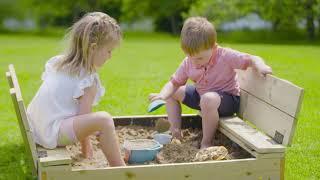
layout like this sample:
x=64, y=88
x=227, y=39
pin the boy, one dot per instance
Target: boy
x=216, y=91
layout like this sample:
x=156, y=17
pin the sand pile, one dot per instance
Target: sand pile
x=186, y=150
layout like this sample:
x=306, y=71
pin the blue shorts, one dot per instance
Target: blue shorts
x=229, y=103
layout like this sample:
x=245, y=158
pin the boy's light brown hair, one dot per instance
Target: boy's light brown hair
x=197, y=34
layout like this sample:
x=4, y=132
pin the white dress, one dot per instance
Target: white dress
x=56, y=100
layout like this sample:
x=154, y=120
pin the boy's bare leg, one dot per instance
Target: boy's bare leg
x=209, y=104
x=173, y=108
x=87, y=124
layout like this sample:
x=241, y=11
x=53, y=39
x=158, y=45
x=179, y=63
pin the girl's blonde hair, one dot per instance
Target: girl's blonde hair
x=95, y=27
x=197, y=34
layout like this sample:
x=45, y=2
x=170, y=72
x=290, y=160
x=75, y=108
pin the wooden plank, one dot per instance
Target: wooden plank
x=26, y=134
x=280, y=93
x=188, y=120
x=22, y=117
x=248, y=148
x=15, y=82
x=294, y=124
x=258, y=141
x=9, y=79
x=266, y=118
x=18, y=95
x=45, y=172
x=238, y=141
x=53, y=157
x=282, y=168
x=231, y=169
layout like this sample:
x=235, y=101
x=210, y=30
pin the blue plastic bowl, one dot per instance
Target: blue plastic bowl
x=162, y=138
x=144, y=154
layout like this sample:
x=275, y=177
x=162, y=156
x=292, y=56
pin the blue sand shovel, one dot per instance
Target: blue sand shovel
x=154, y=105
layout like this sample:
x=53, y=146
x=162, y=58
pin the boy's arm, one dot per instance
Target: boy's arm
x=168, y=90
x=240, y=60
x=258, y=64
x=178, y=79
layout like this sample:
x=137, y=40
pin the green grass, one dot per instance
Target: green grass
x=142, y=65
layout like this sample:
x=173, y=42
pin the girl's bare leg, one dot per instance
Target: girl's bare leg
x=86, y=124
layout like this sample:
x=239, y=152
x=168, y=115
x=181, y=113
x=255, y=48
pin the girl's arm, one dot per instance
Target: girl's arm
x=85, y=107
x=258, y=64
x=168, y=90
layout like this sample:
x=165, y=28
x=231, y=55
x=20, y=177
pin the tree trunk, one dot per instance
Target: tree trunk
x=319, y=26
x=173, y=25
x=310, y=19
x=275, y=25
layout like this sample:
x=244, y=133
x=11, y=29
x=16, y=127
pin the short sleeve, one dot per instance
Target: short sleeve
x=179, y=78
x=49, y=67
x=86, y=82
x=237, y=59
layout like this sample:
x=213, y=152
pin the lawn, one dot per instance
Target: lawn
x=141, y=65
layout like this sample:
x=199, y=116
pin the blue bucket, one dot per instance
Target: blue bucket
x=139, y=151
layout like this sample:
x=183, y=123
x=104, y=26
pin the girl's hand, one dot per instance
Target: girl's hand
x=155, y=96
x=86, y=148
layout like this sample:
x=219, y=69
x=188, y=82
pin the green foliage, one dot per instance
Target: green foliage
x=284, y=14
x=279, y=12
x=12, y=8
x=56, y=12
x=167, y=14
x=219, y=10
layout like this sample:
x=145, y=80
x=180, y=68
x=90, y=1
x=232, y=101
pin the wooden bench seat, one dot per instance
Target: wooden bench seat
x=269, y=108
x=253, y=138
x=52, y=157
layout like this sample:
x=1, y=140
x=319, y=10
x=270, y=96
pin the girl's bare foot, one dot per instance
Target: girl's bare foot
x=86, y=150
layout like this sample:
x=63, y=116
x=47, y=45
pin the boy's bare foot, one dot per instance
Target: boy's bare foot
x=205, y=145
x=176, y=133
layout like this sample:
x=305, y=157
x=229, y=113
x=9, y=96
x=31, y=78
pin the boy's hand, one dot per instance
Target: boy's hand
x=264, y=69
x=260, y=66
x=155, y=96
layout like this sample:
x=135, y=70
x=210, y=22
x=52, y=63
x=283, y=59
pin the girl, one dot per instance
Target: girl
x=61, y=111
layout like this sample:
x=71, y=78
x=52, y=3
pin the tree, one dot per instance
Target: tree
x=12, y=8
x=284, y=14
x=316, y=9
x=167, y=14
x=310, y=17
x=219, y=10
x=55, y=13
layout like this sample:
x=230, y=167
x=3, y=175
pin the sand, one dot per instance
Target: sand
x=176, y=152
